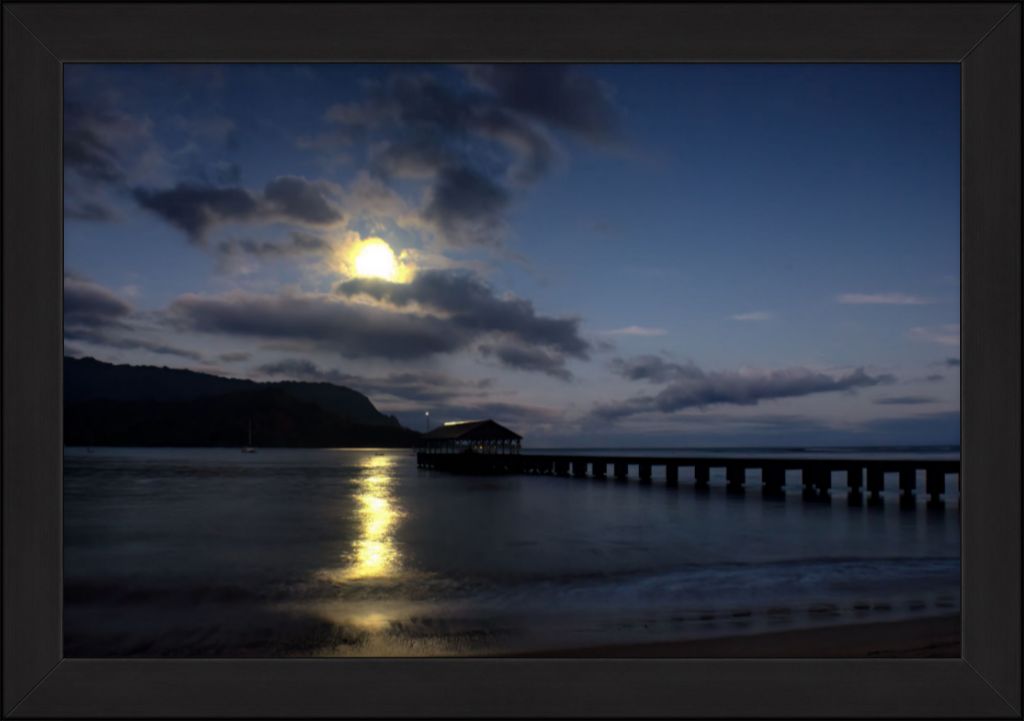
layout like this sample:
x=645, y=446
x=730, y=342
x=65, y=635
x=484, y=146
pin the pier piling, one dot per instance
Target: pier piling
x=702, y=475
x=671, y=474
x=908, y=487
x=862, y=475
x=736, y=476
x=773, y=479
x=935, y=486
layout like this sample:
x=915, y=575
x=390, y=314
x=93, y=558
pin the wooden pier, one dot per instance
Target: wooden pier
x=864, y=479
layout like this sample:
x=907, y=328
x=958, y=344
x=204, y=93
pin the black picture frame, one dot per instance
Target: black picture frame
x=983, y=38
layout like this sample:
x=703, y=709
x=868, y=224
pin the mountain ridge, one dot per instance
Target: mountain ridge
x=108, y=404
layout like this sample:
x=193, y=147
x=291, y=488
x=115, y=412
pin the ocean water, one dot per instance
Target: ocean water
x=287, y=552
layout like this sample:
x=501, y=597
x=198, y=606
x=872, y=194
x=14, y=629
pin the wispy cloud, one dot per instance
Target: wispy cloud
x=756, y=315
x=689, y=386
x=881, y=299
x=637, y=330
x=942, y=334
x=904, y=401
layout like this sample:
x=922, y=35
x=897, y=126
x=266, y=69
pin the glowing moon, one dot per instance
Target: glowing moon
x=375, y=259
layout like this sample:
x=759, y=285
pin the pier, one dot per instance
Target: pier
x=819, y=478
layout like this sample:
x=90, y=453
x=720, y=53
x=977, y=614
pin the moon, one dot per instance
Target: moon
x=376, y=259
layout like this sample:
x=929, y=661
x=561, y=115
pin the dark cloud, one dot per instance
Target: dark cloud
x=103, y=144
x=95, y=314
x=195, y=208
x=90, y=305
x=473, y=306
x=556, y=94
x=654, y=369
x=472, y=147
x=438, y=312
x=532, y=150
x=691, y=387
x=129, y=342
x=466, y=207
x=934, y=377
x=529, y=358
x=298, y=199
x=904, y=401
x=952, y=362
x=234, y=357
x=318, y=321
x=87, y=150
x=233, y=253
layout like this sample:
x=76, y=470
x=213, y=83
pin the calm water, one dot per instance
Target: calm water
x=211, y=552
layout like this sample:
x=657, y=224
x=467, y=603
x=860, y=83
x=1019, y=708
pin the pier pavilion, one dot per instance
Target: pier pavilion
x=475, y=437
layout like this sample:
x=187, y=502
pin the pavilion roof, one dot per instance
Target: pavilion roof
x=485, y=430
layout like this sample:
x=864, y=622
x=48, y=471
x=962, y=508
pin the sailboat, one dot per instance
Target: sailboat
x=250, y=448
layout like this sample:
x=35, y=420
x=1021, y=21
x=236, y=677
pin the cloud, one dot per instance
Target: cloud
x=529, y=358
x=418, y=386
x=881, y=299
x=234, y=357
x=196, y=208
x=103, y=145
x=318, y=321
x=934, y=378
x=943, y=335
x=637, y=330
x=129, y=342
x=753, y=316
x=953, y=362
x=653, y=369
x=234, y=253
x=91, y=305
x=471, y=305
x=91, y=210
x=557, y=94
x=904, y=401
x=466, y=207
x=438, y=312
x=691, y=387
x=470, y=146
x=295, y=198
x=95, y=314
x=94, y=136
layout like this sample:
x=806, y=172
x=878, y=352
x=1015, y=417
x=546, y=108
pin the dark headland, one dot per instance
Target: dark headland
x=124, y=405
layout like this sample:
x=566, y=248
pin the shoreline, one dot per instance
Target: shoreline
x=934, y=637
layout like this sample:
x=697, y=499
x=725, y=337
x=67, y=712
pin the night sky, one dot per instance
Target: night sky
x=629, y=255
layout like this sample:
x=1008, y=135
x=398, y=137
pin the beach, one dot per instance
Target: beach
x=937, y=637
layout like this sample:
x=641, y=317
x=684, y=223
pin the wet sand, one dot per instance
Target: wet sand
x=937, y=637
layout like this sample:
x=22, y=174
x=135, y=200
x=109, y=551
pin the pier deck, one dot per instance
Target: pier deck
x=862, y=477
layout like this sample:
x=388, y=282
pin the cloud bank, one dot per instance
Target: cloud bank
x=689, y=386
